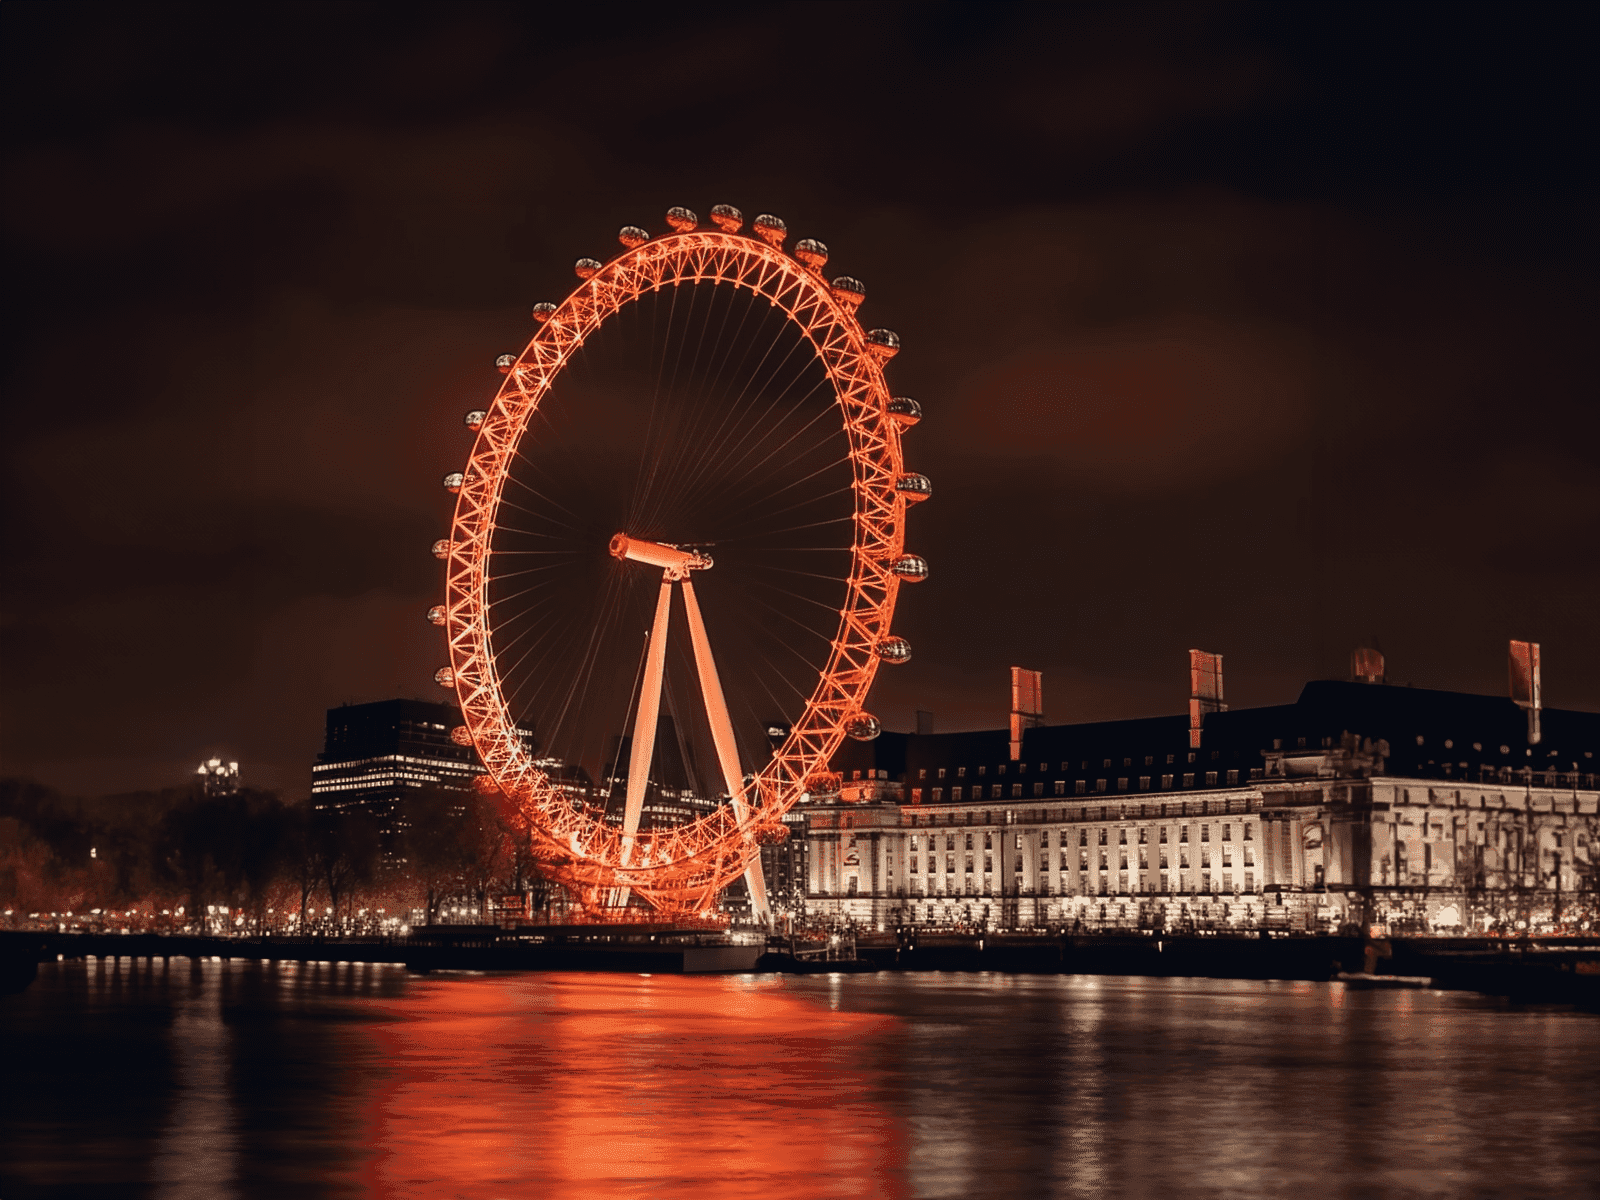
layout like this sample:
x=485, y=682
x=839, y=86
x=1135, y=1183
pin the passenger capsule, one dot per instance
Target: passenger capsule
x=903, y=411
x=912, y=568
x=824, y=783
x=461, y=735
x=543, y=311
x=682, y=219
x=772, y=833
x=863, y=727
x=812, y=252
x=915, y=488
x=770, y=229
x=442, y=548
x=436, y=615
x=883, y=343
x=485, y=785
x=453, y=481
x=631, y=236
x=475, y=419
x=505, y=363
x=727, y=218
x=445, y=677
x=849, y=291
x=587, y=268
x=893, y=650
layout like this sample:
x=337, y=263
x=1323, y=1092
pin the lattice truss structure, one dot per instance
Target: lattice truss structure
x=681, y=870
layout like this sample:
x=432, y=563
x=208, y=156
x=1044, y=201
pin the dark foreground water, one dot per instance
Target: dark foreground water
x=203, y=1079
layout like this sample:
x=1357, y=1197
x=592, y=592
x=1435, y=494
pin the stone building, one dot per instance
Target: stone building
x=1360, y=805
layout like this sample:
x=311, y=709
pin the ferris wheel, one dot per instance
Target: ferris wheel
x=702, y=426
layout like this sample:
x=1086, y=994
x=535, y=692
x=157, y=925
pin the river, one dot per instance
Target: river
x=207, y=1079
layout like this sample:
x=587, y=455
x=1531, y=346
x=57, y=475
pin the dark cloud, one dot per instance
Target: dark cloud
x=1263, y=328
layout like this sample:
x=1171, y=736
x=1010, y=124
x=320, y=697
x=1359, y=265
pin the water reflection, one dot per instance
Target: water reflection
x=582, y=1085
x=243, y=1079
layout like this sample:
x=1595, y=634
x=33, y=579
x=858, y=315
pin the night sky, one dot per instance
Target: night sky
x=1265, y=329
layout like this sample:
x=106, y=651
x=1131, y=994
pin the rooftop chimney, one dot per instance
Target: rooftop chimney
x=1525, y=684
x=1027, y=705
x=1205, y=691
x=1366, y=665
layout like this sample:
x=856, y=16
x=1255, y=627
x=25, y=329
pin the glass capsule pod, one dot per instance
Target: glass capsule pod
x=436, y=615
x=884, y=343
x=587, y=268
x=863, y=727
x=914, y=487
x=903, y=411
x=543, y=311
x=631, y=236
x=682, y=219
x=812, y=252
x=770, y=229
x=475, y=419
x=442, y=548
x=445, y=677
x=727, y=218
x=893, y=650
x=453, y=481
x=912, y=568
x=849, y=291
x=461, y=735
x=505, y=362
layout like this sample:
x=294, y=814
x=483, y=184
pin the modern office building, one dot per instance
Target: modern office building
x=374, y=753
x=1361, y=804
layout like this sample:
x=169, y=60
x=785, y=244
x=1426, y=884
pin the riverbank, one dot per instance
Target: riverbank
x=1547, y=970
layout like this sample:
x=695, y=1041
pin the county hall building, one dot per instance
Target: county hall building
x=1360, y=805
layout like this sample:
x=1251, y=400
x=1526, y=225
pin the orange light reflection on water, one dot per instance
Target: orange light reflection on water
x=605, y=1085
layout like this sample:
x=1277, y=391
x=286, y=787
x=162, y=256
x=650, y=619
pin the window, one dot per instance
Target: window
x=1169, y=760
x=950, y=864
x=955, y=793
x=994, y=791
x=1122, y=783
x=1227, y=856
x=988, y=841
x=1144, y=783
x=1061, y=787
x=1127, y=762
x=1205, y=858
x=1016, y=791
x=961, y=772
x=1122, y=836
x=1144, y=858
x=983, y=770
x=1163, y=860
x=1044, y=864
x=1104, y=834
x=1001, y=769
x=916, y=795
x=1122, y=856
x=1064, y=864
x=1163, y=838
x=941, y=772
x=1227, y=833
x=969, y=841
x=1019, y=842
x=1211, y=779
x=1166, y=781
x=913, y=864
x=1183, y=833
x=988, y=863
x=1099, y=785
x=949, y=841
x=938, y=795
x=922, y=773
x=1083, y=837
x=1233, y=777
x=1249, y=881
x=1103, y=857
x=1188, y=779
x=1249, y=857
x=1038, y=789
x=1205, y=833
x=1248, y=827
x=1083, y=786
x=1148, y=760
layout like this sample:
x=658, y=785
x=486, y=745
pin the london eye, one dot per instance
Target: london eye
x=675, y=555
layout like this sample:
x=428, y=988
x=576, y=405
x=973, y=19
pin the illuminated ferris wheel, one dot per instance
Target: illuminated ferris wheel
x=701, y=426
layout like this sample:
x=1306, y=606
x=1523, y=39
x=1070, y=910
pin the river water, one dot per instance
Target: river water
x=207, y=1080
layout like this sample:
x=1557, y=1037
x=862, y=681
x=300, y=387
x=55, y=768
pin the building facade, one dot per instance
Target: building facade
x=374, y=753
x=1359, y=806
